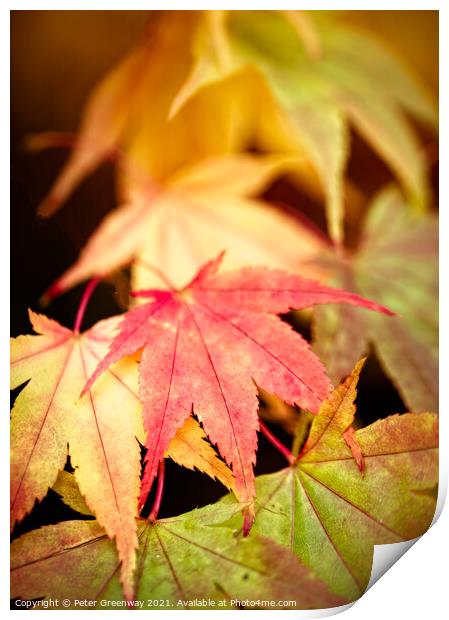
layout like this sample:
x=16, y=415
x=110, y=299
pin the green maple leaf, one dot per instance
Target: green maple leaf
x=183, y=558
x=396, y=263
x=329, y=513
x=323, y=509
x=321, y=74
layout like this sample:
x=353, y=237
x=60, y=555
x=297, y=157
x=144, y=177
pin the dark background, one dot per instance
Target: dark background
x=57, y=57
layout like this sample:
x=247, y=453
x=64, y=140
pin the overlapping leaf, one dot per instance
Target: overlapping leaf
x=318, y=92
x=181, y=559
x=201, y=208
x=67, y=489
x=190, y=448
x=314, y=98
x=100, y=429
x=126, y=114
x=205, y=345
x=329, y=513
x=182, y=194
x=275, y=410
x=322, y=509
x=397, y=264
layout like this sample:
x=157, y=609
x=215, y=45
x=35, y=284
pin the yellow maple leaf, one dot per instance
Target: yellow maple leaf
x=99, y=430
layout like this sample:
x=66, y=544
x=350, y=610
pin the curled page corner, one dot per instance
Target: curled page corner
x=387, y=555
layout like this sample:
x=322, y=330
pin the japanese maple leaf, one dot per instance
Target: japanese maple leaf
x=100, y=429
x=184, y=190
x=180, y=559
x=397, y=264
x=206, y=345
x=188, y=448
x=177, y=225
x=191, y=449
x=124, y=116
x=276, y=411
x=311, y=76
x=67, y=489
x=318, y=74
x=329, y=513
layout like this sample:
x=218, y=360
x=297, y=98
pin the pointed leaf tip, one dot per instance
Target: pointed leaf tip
x=359, y=367
x=50, y=294
x=207, y=270
x=49, y=206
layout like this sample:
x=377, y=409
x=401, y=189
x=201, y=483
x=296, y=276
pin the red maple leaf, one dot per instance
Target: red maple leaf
x=207, y=346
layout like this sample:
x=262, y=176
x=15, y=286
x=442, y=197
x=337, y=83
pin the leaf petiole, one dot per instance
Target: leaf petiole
x=159, y=492
x=276, y=443
x=91, y=285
